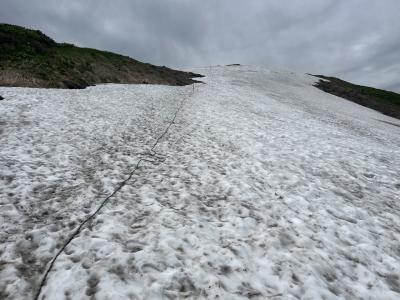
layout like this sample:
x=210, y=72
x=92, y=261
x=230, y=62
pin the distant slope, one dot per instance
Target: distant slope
x=29, y=58
x=383, y=101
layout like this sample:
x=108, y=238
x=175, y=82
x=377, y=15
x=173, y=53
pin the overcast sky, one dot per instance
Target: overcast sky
x=357, y=40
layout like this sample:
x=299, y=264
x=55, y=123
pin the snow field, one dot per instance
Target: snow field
x=268, y=188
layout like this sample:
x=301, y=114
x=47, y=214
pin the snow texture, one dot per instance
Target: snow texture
x=263, y=187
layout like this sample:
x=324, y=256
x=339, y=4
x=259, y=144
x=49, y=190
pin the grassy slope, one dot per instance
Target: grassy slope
x=30, y=58
x=383, y=101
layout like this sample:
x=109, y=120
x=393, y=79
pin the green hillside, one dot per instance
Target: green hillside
x=30, y=58
x=386, y=102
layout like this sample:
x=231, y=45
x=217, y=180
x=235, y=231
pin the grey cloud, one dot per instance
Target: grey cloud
x=358, y=40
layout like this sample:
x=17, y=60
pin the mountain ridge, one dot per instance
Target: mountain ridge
x=386, y=102
x=29, y=58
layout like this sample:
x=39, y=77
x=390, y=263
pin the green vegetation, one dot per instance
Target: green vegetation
x=30, y=58
x=386, y=102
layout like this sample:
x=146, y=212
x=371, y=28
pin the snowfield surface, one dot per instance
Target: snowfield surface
x=258, y=186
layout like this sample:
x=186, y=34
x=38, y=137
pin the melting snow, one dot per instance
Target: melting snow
x=263, y=187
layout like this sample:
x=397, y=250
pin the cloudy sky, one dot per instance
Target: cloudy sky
x=357, y=40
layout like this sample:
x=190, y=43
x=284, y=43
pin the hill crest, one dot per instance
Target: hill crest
x=29, y=58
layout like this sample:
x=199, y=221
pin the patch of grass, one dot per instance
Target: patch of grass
x=386, y=102
x=36, y=56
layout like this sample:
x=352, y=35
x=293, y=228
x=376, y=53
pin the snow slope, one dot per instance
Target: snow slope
x=262, y=187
